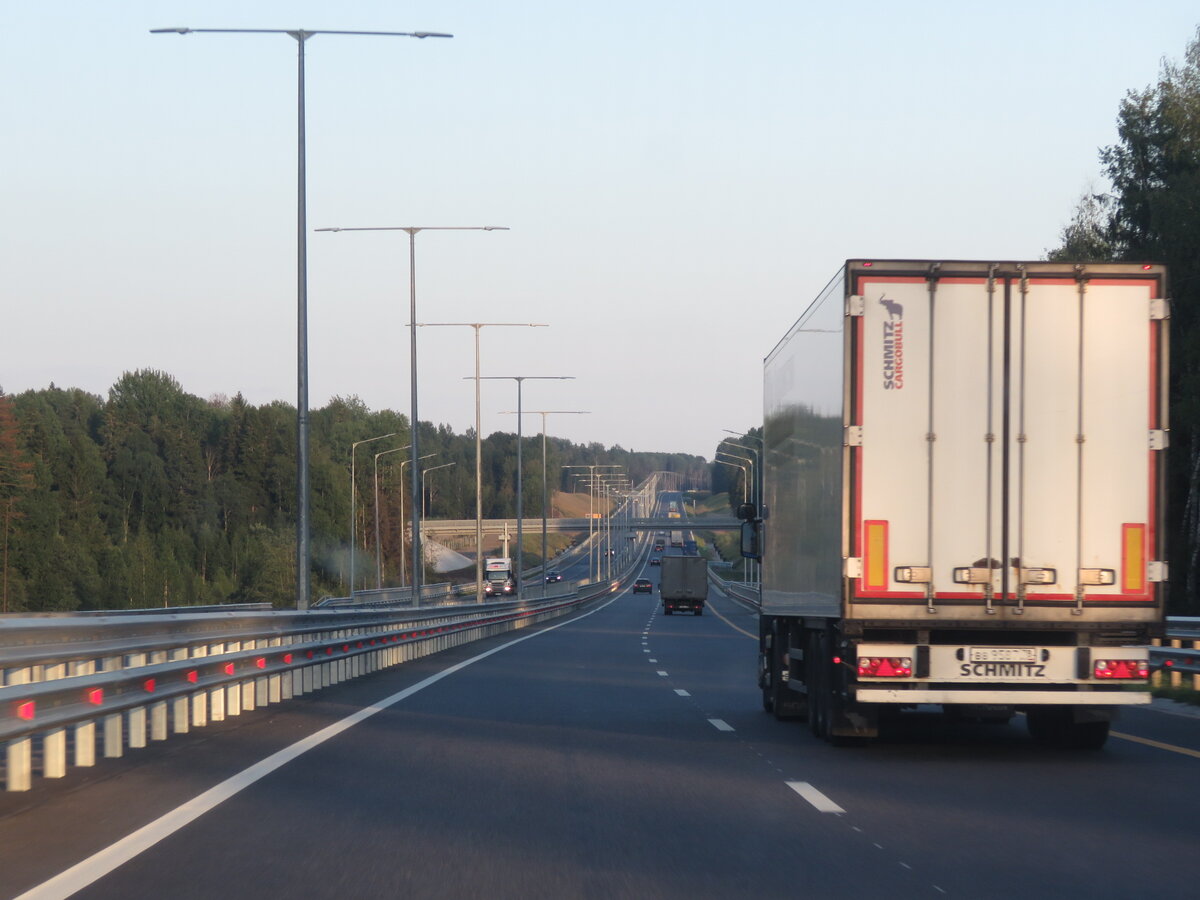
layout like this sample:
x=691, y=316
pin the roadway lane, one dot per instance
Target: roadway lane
x=625, y=754
x=562, y=766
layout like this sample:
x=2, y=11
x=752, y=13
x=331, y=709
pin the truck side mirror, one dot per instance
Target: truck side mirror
x=746, y=511
x=752, y=539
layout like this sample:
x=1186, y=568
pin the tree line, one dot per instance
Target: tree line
x=1151, y=213
x=155, y=497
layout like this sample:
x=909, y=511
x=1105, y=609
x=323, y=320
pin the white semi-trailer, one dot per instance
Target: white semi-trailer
x=963, y=505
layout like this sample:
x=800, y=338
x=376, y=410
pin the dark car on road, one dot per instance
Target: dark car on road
x=655, y=561
x=643, y=586
x=553, y=577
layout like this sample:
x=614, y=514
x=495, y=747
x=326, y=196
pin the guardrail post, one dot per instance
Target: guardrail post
x=114, y=743
x=137, y=715
x=1176, y=677
x=19, y=764
x=85, y=732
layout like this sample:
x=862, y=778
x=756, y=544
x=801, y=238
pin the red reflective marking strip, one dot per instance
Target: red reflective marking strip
x=149, y=684
x=193, y=676
x=228, y=668
x=261, y=662
x=96, y=696
x=26, y=710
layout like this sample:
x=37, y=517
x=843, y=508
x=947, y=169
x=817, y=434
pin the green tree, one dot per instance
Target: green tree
x=1153, y=213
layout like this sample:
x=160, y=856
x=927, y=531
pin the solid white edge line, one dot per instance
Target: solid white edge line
x=815, y=797
x=101, y=863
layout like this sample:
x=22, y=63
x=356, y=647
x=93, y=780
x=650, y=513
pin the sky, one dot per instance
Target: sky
x=680, y=179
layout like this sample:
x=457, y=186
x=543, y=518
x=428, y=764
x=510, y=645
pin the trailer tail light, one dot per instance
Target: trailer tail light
x=1121, y=669
x=885, y=666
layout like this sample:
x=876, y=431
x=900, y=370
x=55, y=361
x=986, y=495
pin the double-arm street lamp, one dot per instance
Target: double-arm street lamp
x=300, y=35
x=478, y=326
x=520, y=380
x=411, y=231
x=545, y=509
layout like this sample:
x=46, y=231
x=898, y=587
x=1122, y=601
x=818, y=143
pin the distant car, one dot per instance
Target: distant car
x=643, y=586
x=655, y=561
x=658, y=548
x=553, y=577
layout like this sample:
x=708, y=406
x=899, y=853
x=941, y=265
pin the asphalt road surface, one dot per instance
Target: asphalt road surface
x=617, y=753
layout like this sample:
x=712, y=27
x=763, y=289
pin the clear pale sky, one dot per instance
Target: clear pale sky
x=680, y=178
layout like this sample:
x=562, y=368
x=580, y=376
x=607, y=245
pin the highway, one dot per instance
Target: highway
x=617, y=753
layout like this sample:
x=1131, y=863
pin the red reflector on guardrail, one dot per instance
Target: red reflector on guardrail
x=149, y=684
x=228, y=668
x=96, y=696
x=329, y=651
x=261, y=662
x=26, y=710
x=345, y=648
x=193, y=676
x=287, y=658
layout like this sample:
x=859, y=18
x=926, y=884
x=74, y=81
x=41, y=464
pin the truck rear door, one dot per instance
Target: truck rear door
x=1006, y=428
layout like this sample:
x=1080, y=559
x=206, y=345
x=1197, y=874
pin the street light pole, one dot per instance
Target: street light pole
x=378, y=552
x=411, y=231
x=403, y=561
x=591, y=488
x=545, y=509
x=520, y=380
x=303, y=502
x=478, y=438
x=354, y=501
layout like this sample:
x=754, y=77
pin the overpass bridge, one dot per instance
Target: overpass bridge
x=467, y=526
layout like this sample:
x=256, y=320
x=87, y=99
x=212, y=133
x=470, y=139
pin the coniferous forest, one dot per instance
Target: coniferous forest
x=155, y=497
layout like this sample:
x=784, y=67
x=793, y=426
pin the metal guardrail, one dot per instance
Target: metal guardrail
x=114, y=682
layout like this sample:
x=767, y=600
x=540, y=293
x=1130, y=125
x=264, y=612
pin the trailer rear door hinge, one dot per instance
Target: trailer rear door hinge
x=1156, y=570
x=1160, y=308
x=856, y=305
x=854, y=567
x=1159, y=440
x=853, y=436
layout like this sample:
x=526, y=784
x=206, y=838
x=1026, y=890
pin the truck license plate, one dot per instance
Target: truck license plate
x=1004, y=654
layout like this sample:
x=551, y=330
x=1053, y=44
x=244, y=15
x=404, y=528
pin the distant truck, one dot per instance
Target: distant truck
x=677, y=539
x=964, y=496
x=684, y=584
x=498, y=577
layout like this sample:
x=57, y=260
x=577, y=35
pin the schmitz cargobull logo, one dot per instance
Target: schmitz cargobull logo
x=893, y=345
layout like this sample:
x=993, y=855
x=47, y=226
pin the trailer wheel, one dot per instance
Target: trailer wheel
x=667, y=610
x=699, y=611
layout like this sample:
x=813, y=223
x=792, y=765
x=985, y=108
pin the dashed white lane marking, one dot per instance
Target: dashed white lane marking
x=815, y=797
x=660, y=672
x=645, y=651
x=682, y=693
x=720, y=725
x=652, y=660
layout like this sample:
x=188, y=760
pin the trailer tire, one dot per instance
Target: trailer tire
x=667, y=610
x=699, y=611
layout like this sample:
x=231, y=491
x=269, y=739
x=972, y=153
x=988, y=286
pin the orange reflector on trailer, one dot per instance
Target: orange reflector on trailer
x=875, y=547
x=1133, y=559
